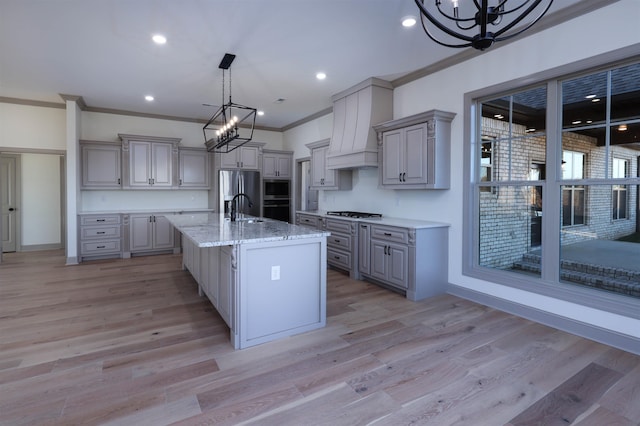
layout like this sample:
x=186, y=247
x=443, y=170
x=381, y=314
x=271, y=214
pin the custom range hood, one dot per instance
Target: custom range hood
x=355, y=110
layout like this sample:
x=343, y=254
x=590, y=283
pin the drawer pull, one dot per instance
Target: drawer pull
x=101, y=247
x=101, y=232
x=336, y=257
x=336, y=240
x=388, y=234
x=101, y=220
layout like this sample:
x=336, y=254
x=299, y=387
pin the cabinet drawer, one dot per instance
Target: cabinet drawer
x=100, y=219
x=388, y=233
x=340, y=241
x=99, y=247
x=93, y=232
x=339, y=259
x=309, y=221
x=343, y=226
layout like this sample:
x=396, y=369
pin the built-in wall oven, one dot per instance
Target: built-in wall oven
x=276, y=201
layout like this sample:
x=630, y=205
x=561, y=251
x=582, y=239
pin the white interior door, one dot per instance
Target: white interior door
x=8, y=202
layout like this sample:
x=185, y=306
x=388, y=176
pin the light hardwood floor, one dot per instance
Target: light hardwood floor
x=130, y=342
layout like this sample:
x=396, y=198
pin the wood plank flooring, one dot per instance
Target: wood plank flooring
x=130, y=342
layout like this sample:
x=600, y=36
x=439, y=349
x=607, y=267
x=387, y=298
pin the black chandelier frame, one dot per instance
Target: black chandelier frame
x=484, y=16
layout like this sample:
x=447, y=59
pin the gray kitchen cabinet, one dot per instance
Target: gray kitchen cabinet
x=100, y=236
x=194, y=165
x=310, y=221
x=149, y=162
x=412, y=261
x=276, y=164
x=414, y=152
x=100, y=165
x=244, y=157
x=364, y=248
x=321, y=177
x=149, y=232
x=227, y=285
x=342, y=247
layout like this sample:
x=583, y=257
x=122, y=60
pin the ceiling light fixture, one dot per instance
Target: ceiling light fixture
x=260, y=113
x=408, y=21
x=321, y=76
x=502, y=15
x=149, y=98
x=231, y=122
x=159, y=39
x=622, y=128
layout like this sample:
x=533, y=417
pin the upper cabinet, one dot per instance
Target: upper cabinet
x=321, y=177
x=100, y=165
x=415, y=152
x=149, y=162
x=276, y=164
x=246, y=157
x=194, y=168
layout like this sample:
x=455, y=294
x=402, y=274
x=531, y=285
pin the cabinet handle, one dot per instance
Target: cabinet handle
x=180, y=182
x=388, y=234
x=363, y=226
x=404, y=177
x=336, y=240
x=100, y=232
x=100, y=220
x=118, y=181
x=336, y=257
x=101, y=246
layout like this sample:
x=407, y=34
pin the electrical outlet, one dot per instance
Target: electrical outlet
x=275, y=273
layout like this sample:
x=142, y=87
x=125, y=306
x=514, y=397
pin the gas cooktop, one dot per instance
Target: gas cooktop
x=354, y=214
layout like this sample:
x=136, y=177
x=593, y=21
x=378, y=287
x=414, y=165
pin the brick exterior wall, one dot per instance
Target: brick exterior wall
x=506, y=213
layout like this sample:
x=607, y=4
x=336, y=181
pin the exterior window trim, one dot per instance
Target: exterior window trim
x=547, y=284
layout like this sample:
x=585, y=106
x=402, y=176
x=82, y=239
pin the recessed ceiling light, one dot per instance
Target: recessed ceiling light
x=590, y=96
x=321, y=76
x=622, y=128
x=149, y=98
x=576, y=122
x=408, y=21
x=589, y=121
x=499, y=116
x=159, y=39
x=260, y=112
x=595, y=100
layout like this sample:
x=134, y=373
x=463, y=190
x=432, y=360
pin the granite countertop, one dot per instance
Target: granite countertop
x=390, y=221
x=147, y=211
x=214, y=229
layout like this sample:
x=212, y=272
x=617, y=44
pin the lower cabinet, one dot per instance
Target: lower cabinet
x=100, y=236
x=214, y=270
x=342, y=248
x=149, y=232
x=411, y=260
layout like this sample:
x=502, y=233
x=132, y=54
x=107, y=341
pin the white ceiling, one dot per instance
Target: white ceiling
x=102, y=50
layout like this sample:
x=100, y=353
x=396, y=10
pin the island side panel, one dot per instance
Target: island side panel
x=282, y=289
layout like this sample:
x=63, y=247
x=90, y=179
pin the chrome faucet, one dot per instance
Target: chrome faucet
x=233, y=204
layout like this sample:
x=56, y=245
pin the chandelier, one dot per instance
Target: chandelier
x=231, y=122
x=473, y=18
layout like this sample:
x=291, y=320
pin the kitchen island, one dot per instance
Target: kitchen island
x=266, y=278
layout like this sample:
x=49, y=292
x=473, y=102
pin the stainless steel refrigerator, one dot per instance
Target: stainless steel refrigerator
x=233, y=182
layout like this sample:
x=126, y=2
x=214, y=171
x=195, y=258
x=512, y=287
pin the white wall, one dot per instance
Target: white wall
x=24, y=126
x=572, y=41
x=40, y=178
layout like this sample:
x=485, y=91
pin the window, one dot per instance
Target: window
x=572, y=139
x=619, y=201
x=572, y=195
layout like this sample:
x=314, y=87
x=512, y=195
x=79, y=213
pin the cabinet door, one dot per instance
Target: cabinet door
x=364, y=249
x=393, y=157
x=213, y=286
x=227, y=283
x=379, y=259
x=101, y=166
x=249, y=157
x=415, y=155
x=194, y=169
x=229, y=160
x=140, y=164
x=162, y=233
x=161, y=165
x=270, y=165
x=284, y=166
x=140, y=233
x=398, y=265
x=318, y=164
